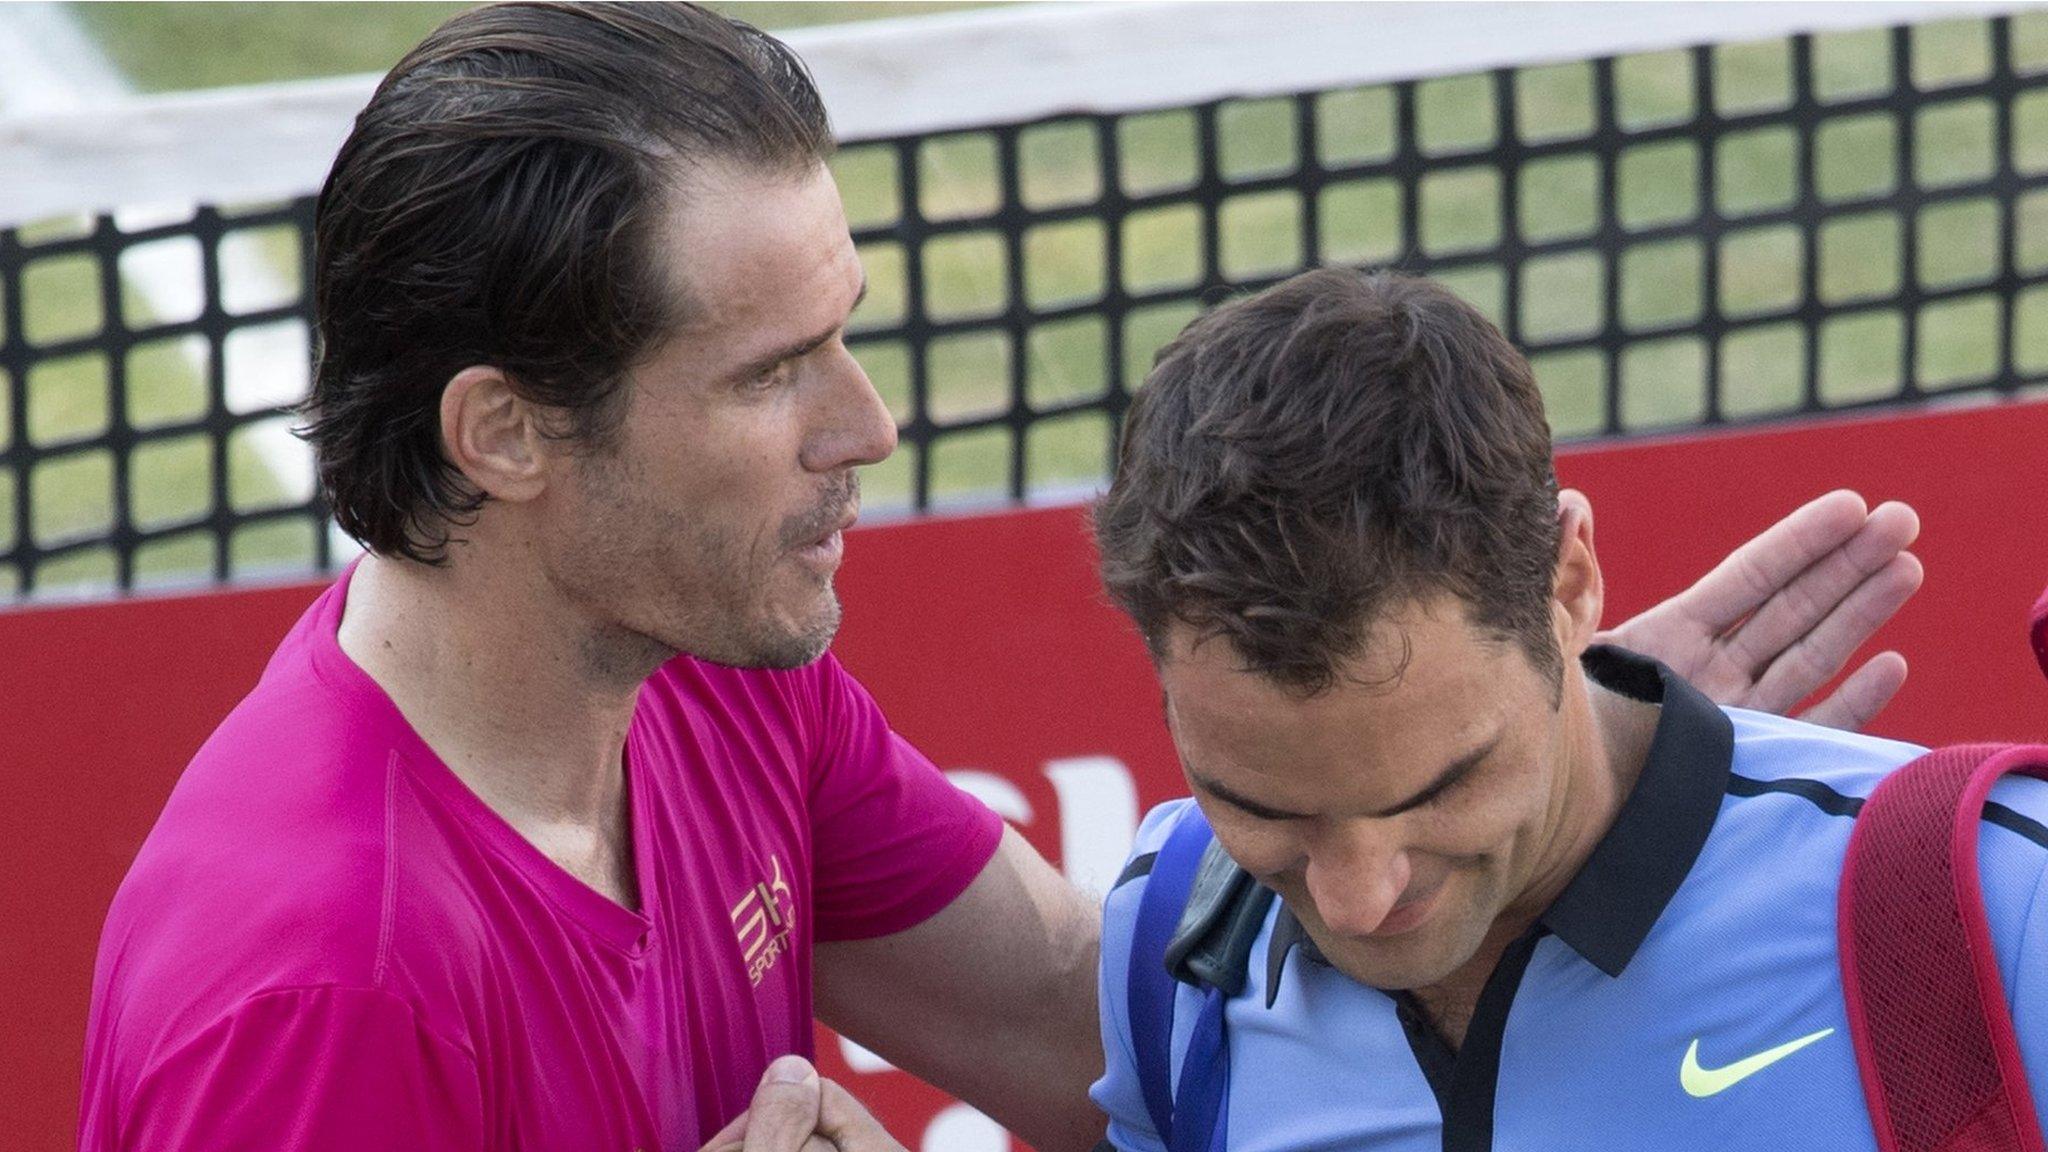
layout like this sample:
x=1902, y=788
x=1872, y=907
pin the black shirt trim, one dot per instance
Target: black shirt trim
x=1608, y=909
x=1468, y=1120
x=1439, y=1063
x=1139, y=866
x=1287, y=935
x=1835, y=803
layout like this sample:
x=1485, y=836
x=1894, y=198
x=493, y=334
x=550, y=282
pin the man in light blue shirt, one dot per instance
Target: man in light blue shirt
x=1478, y=883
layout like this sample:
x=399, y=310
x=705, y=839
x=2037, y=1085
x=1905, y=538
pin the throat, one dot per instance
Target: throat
x=602, y=858
x=1446, y=1007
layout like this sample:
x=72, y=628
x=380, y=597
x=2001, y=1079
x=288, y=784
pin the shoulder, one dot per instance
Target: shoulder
x=1153, y=831
x=1120, y=908
x=297, y=850
x=1774, y=750
x=1834, y=772
x=1120, y=913
x=278, y=827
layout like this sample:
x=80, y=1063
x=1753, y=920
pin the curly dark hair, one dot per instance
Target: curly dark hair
x=1302, y=461
x=498, y=203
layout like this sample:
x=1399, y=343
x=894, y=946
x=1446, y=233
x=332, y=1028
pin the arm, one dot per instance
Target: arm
x=1006, y=1020
x=1782, y=614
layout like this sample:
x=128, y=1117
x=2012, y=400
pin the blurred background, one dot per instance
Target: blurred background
x=1732, y=232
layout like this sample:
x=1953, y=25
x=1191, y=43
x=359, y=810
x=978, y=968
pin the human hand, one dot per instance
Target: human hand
x=848, y=1125
x=794, y=1110
x=1782, y=614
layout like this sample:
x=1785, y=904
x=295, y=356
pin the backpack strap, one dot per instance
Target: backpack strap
x=1934, y=1039
x=2037, y=631
x=1151, y=989
x=1196, y=920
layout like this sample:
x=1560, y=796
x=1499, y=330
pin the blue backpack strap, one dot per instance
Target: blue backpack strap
x=1151, y=988
x=1202, y=1102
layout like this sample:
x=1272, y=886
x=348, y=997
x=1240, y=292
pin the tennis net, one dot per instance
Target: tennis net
x=1689, y=216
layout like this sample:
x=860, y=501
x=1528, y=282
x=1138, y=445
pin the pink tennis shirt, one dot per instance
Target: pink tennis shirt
x=328, y=941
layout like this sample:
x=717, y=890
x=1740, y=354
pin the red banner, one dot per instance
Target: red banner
x=992, y=647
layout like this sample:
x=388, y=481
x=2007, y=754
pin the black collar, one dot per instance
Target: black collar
x=1608, y=909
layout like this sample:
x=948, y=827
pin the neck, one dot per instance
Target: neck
x=1603, y=741
x=524, y=697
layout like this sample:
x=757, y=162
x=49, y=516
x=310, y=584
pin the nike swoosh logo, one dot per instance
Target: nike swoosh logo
x=1704, y=1082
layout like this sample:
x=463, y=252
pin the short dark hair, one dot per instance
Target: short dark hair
x=498, y=203
x=1302, y=460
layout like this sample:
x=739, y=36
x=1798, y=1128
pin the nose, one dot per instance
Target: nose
x=855, y=427
x=1356, y=876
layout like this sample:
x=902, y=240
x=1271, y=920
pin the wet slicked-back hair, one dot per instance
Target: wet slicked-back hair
x=499, y=203
x=1302, y=462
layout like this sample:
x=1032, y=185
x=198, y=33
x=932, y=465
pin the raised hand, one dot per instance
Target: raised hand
x=1782, y=614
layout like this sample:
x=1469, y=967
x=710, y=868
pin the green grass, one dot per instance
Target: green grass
x=1459, y=209
x=166, y=47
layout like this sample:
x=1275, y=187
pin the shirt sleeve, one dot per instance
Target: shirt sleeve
x=893, y=841
x=1119, y=1093
x=309, y=1070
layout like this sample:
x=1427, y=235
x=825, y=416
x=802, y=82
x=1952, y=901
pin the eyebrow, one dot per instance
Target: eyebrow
x=1456, y=771
x=805, y=347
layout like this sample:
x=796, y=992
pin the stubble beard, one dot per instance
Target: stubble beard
x=785, y=649
x=1439, y=951
x=700, y=591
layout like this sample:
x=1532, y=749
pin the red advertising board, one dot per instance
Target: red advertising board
x=990, y=644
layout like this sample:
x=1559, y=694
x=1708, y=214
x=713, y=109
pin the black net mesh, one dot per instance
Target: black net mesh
x=1724, y=234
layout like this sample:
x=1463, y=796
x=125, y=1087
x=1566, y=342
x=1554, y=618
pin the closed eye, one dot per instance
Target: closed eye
x=1465, y=767
x=1246, y=804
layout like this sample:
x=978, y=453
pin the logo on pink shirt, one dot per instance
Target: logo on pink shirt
x=761, y=921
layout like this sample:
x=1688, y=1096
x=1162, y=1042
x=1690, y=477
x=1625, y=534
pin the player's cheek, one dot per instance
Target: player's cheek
x=1470, y=827
x=1266, y=849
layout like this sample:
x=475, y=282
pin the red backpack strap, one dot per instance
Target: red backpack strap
x=2037, y=631
x=1927, y=1009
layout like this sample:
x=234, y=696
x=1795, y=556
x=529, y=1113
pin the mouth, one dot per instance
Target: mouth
x=824, y=551
x=1407, y=916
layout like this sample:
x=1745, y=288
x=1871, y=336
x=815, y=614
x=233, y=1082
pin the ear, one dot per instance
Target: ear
x=493, y=435
x=1577, y=593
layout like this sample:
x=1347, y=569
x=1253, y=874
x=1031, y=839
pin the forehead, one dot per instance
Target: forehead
x=758, y=256
x=1424, y=688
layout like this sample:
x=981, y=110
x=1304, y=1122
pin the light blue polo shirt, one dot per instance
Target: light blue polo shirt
x=1705, y=915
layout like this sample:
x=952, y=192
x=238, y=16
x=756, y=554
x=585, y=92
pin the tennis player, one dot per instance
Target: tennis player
x=553, y=822
x=1532, y=891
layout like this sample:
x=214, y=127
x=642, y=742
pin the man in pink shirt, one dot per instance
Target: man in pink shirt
x=551, y=824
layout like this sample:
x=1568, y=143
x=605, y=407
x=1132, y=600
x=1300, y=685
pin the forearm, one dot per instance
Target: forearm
x=1031, y=1074
x=992, y=1000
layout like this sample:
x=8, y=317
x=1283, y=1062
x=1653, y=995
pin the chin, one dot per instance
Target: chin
x=1419, y=959
x=1391, y=970
x=794, y=640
